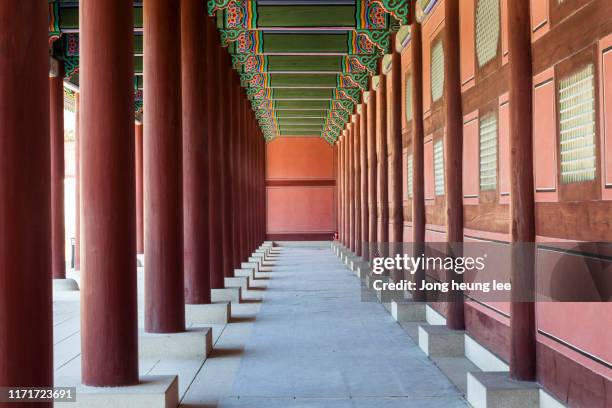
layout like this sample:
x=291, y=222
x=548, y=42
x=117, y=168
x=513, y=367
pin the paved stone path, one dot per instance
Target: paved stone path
x=315, y=343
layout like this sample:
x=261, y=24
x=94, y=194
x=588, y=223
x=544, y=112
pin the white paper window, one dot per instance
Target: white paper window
x=408, y=97
x=487, y=30
x=410, y=174
x=577, y=126
x=437, y=70
x=488, y=153
x=439, y=167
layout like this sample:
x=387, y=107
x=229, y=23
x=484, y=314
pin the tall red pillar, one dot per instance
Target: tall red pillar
x=357, y=182
x=394, y=146
x=523, y=364
x=108, y=189
x=351, y=203
x=382, y=158
x=453, y=153
x=250, y=173
x=235, y=162
x=243, y=178
x=227, y=136
x=372, y=173
x=77, y=181
x=213, y=96
x=163, y=169
x=195, y=153
x=418, y=157
x=26, y=339
x=56, y=115
x=365, y=210
x=139, y=189
x=346, y=203
x=340, y=190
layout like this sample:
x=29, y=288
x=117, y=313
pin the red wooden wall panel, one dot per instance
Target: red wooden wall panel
x=300, y=209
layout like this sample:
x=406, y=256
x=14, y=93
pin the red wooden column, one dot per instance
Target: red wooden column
x=227, y=134
x=235, y=181
x=195, y=152
x=418, y=158
x=56, y=114
x=522, y=314
x=252, y=183
x=394, y=145
x=363, y=157
x=243, y=178
x=108, y=190
x=26, y=337
x=77, y=181
x=357, y=182
x=453, y=145
x=215, y=211
x=351, y=192
x=249, y=186
x=347, y=211
x=382, y=158
x=139, y=189
x=341, y=189
x=372, y=174
x=163, y=169
x=261, y=188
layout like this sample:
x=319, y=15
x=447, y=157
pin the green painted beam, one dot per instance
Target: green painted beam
x=306, y=16
x=285, y=93
x=300, y=133
x=301, y=80
x=138, y=64
x=69, y=18
x=300, y=129
x=138, y=44
x=303, y=43
x=304, y=63
x=302, y=105
x=300, y=121
x=301, y=113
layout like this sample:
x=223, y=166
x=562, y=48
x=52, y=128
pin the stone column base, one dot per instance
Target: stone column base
x=252, y=265
x=233, y=295
x=497, y=389
x=440, y=341
x=408, y=311
x=192, y=343
x=249, y=273
x=237, y=281
x=213, y=313
x=153, y=391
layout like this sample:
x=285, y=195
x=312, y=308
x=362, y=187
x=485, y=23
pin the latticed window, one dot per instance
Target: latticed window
x=487, y=30
x=439, y=167
x=408, y=97
x=437, y=70
x=577, y=126
x=410, y=175
x=488, y=153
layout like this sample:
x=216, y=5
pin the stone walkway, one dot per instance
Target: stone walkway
x=313, y=342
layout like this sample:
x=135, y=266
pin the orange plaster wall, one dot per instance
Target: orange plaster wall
x=299, y=158
x=300, y=188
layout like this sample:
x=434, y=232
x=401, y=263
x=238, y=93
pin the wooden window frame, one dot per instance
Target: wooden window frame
x=489, y=196
x=490, y=67
x=584, y=190
x=438, y=104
